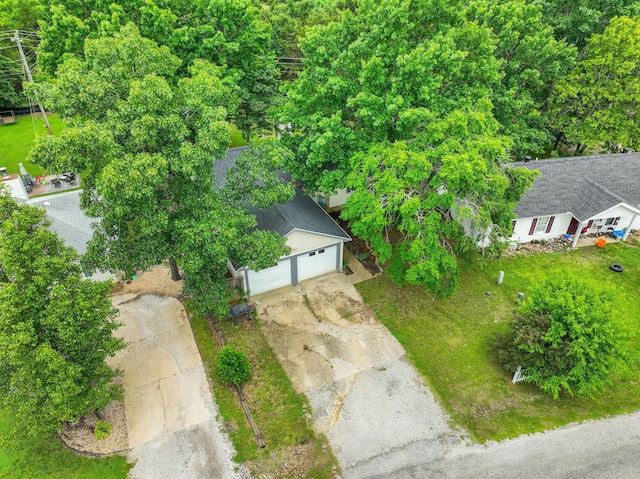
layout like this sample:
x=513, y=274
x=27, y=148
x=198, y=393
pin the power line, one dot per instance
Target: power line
x=27, y=70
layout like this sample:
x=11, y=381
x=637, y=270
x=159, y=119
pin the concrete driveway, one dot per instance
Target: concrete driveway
x=364, y=395
x=171, y=414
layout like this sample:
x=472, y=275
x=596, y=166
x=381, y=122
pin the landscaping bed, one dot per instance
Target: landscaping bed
x=359, y=248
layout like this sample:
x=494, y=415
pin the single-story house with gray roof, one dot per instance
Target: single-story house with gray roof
x=315, y=239
x=67, y=218
x=579, y=195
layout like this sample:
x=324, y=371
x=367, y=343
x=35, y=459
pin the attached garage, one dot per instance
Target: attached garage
x=257, y=282
x=317, y=262
x=293, y=269
x=315, y=240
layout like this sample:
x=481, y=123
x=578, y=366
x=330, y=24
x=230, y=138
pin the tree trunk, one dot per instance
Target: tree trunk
x=558, y=139
x=577, y=152
x=175, y=272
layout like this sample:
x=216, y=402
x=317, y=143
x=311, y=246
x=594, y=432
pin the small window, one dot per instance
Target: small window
x=541, y=225
x=320, y=251
x=313, y=253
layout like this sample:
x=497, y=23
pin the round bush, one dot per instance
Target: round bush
x=233, y=366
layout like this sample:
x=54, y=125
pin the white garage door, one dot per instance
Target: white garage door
x=318, y=262
x=270, y=278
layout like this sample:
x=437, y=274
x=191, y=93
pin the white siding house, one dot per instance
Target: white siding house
x=580, y=195
x=315, y=239
x=333, y=202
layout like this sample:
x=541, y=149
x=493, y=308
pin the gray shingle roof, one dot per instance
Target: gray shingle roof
x=300, y=213
x=581, y=185
x=67, y=219
x=221, y=166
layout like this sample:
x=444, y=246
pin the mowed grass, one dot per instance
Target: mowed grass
x=47, y=458
x=17, y=139
x=279, y=412
x=450, y=340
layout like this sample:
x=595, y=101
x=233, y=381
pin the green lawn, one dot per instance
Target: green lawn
x=449, y=340
x=16, y=139
x=46, y=458
x=277, y=409
x=236, y=138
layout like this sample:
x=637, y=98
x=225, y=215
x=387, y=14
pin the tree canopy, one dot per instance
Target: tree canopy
x=227, y=33
x=395, y=102
x=55, y=327
x=146, y=143
x=566, y=336
x=575, y=21
x=531, y=60
x=596, y=104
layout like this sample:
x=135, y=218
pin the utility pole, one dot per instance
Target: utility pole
x=25, y=65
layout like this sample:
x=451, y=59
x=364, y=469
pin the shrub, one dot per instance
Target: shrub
x=565, y=336
x=102, y=429
x=233, y=366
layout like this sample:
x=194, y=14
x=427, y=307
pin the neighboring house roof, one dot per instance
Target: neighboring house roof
x=16, y=188
x=581, y=185
x=67, y=219
x=221, y=166
x=301, y=213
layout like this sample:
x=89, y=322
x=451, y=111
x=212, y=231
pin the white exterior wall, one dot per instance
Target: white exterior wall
x=622, y=212
x=333, y=201
x=304, y=241
x=561, y=224
x=16, y=189
x=291, y=268
x=523, y=225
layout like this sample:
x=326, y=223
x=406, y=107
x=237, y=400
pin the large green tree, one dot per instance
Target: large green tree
x=146, y=145
x=228, y=33
x=532, y=61
x=291, y=18
x=395, y=103
x=55, y=327
x=566, y=337
x=596, y=104
x=575, y=21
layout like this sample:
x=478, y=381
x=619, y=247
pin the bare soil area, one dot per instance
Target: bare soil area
x=156, y=280
x=81, y=438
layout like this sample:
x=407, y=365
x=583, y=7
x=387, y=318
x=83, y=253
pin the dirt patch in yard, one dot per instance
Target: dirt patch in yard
x=335, y=305
x=295, y=462
x=156, y=280
x=80, y=436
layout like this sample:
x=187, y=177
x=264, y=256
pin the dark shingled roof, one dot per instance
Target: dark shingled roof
x=581, y=185
x=300, y=213
x=221, y=166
